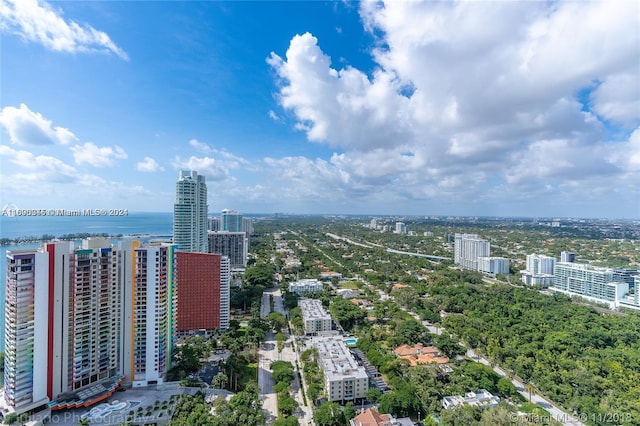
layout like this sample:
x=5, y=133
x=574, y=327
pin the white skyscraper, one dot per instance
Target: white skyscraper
x=540, y=264
x=468, y=248
x=539, y=270
x=190, y=213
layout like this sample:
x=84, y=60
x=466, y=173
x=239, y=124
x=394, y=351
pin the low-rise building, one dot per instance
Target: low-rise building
x=344, y=379
x=419, y=354
x=480, y=398
x=307, y=285
x=315, y=318
x=347, y=293
x=327, y=275
x=371, y=417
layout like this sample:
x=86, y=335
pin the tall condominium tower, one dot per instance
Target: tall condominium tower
x=230, y=220
x=540, y=264
x=154, y=316
x=234, y=245
x=468, y=248
x=203, y=300
x=190, y=213
x=539, y=270
x=81, y=320
x=247, y=226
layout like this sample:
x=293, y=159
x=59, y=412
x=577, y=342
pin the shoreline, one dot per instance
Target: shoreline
x=5, y=242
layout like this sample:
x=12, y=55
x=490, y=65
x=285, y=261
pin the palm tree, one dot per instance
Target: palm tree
x=220, y=381
x=529, y=389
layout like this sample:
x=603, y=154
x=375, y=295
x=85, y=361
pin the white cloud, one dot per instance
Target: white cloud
x=93, y=155
x=200, y=146
x=618, y=98
x=37, y=21
x=273, y=115
x=213, y=169
x=471, y=99
x=148, y=165
x=45, y=167
x=26, y=127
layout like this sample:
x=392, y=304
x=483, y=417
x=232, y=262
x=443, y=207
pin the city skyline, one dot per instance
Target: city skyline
x=400, y=108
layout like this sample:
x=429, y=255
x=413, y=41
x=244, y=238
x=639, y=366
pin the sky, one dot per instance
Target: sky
x=487, y=108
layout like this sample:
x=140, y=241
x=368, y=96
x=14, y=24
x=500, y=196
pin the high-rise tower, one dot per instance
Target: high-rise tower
x=468, y=248
x=230, y=220
x=190, y=213
x=82, y=320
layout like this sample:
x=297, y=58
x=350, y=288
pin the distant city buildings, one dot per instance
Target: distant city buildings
x=204, y=296
x=234, y=245
x=190, y=222
x=401, y=228
x=213, y=223
x=231, y=221
x=539, y=270
x=81, y=320
x=315, y=318
x=307, y=285
x=493, y=265
x=344, y=379
x=602, y=285
x=247, y=226
x=468, y=248
x=567, y=257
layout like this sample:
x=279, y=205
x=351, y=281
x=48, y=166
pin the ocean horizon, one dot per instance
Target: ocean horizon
x=29, y=227
x=142, y=225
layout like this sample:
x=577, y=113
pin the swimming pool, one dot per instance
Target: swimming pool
x=351, y=341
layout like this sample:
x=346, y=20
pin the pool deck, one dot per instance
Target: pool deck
x=135, y=397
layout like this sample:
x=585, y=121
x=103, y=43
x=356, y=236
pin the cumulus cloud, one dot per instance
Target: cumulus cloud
x=37, y=21
x=93, y=155
x=148, y=165
x=210, y=167
x=471, y=96
x=45, y=167
x=200, y=146
x=26, y=127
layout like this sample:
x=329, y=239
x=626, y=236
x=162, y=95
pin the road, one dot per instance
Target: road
x=555, y=411
x=269, y=353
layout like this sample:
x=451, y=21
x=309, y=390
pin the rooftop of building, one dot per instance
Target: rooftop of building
x=336, y=360
x=371, y=417
x=312, y=309
x=419, y=354
x=479, y=398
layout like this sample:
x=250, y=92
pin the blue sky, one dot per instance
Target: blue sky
x=434, y=108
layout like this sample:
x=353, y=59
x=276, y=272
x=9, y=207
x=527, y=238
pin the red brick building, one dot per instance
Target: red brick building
x=203, y=291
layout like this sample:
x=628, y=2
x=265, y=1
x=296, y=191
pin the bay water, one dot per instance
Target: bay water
x=25, y=230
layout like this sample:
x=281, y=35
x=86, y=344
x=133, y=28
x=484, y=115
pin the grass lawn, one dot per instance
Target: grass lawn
x=351, y=285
